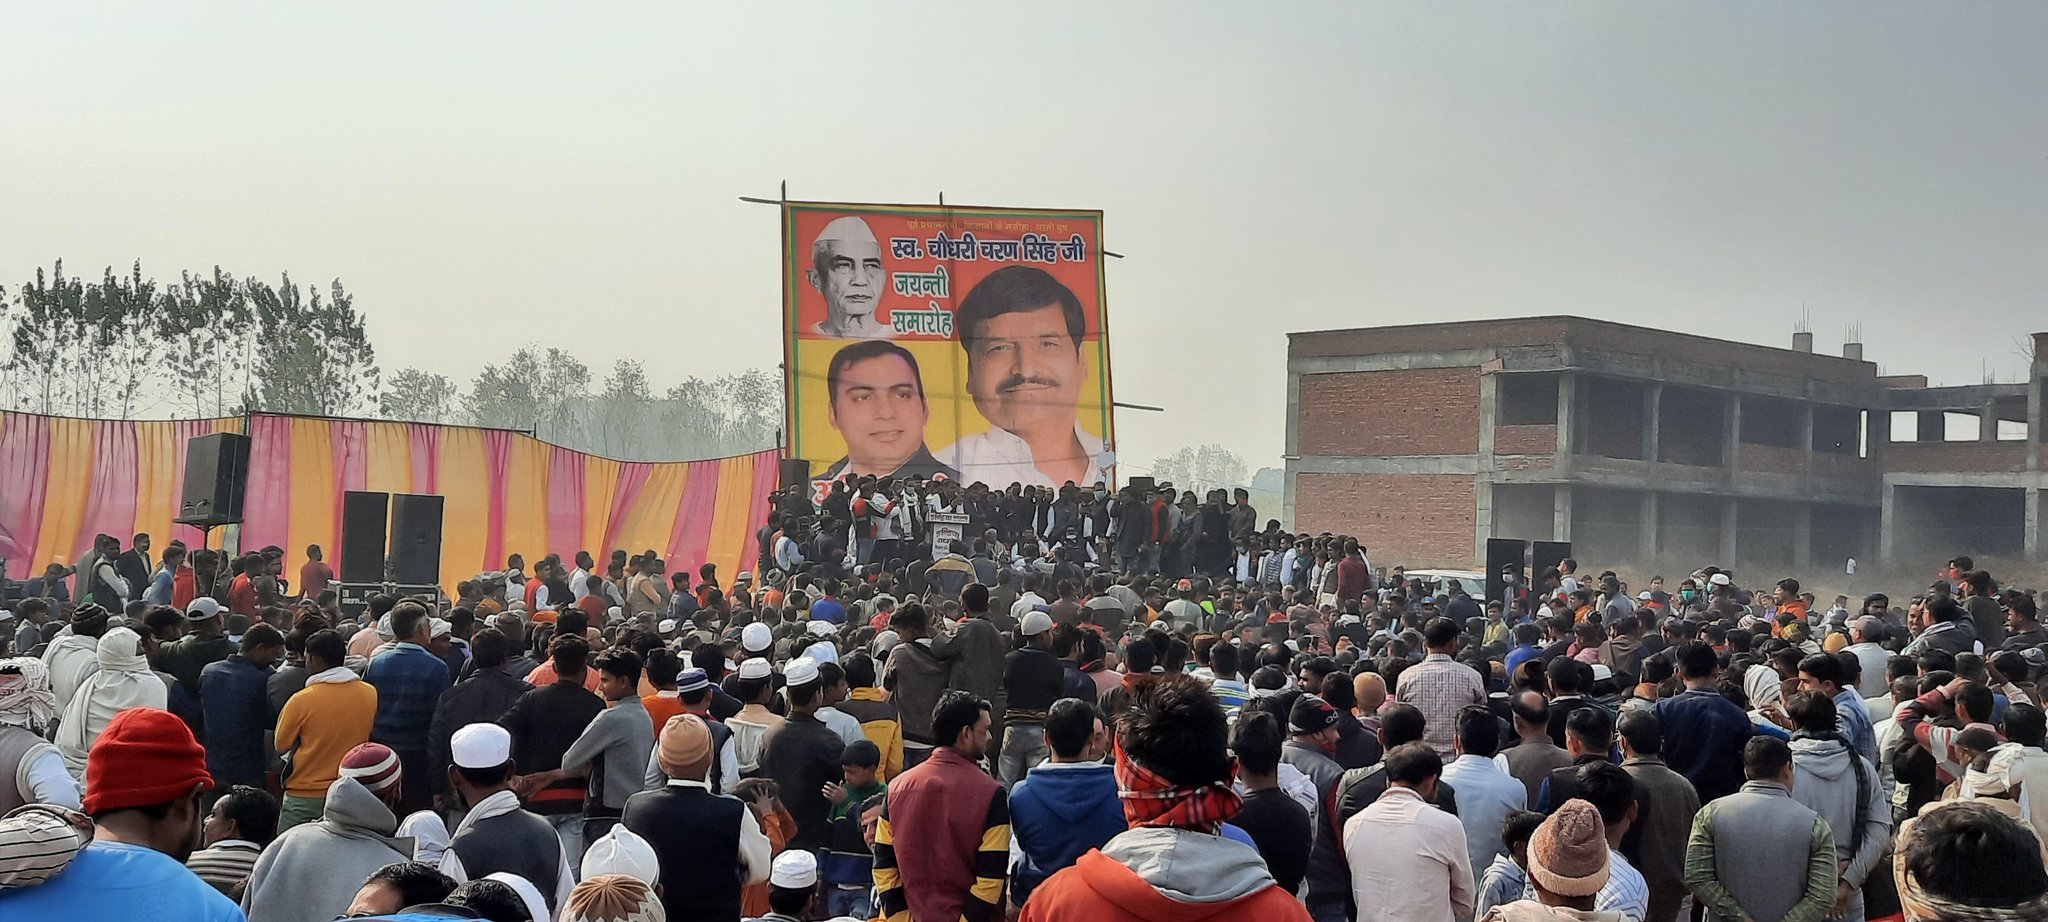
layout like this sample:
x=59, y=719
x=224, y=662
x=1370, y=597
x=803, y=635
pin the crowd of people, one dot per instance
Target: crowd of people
x=1092, y=704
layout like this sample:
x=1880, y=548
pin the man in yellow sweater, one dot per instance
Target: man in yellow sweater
x=319, y=725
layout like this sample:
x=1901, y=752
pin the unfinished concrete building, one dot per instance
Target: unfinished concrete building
x=1647, y=446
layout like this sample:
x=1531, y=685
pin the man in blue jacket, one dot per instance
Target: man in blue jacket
x=1067, y=804
x=1704, y=732
x=233, y=695
x=409, y=681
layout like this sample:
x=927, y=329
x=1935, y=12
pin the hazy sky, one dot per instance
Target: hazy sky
x=485, y=175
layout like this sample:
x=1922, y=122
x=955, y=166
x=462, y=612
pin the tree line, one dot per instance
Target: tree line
x=127, y=346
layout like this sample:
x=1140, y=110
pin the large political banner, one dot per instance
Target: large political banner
x=946, y=342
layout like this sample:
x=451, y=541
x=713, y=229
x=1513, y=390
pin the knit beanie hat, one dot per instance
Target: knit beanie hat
x=374, y=766
x=684, y=750
x=144, y=757
x=1568, y=853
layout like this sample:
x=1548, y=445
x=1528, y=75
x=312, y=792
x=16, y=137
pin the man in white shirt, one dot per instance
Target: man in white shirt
x=787, y=554
x=1408, y=860
x=1023, y=333
x=2026, y=726
x=1568, y=581
x=1028, y=601
x=882, y=514
x=579, y=578
x=1867, y=633
x=1486, y=794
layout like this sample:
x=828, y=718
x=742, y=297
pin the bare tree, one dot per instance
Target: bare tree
x=418, y=396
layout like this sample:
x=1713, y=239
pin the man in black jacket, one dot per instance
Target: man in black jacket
x=481, y=697
x=134, y=566
x=544, y=722
x=1032, y=680
x=802, y=755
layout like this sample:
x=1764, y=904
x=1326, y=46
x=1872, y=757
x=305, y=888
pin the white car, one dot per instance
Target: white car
x=1435, y=581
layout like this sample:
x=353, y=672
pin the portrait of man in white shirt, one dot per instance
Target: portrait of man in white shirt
x=846, y=267
x=1023, y=331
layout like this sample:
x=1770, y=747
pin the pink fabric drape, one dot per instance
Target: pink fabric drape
x=24, y=479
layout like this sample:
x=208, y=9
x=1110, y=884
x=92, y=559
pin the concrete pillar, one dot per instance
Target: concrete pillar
x=1653, y=402
x=1729, y=507
x=2033, y=540
x=2037, y=457
x=1646, y=528
x=1293, y=447
x=1482, y=520
x=1561, y=512
x=1987, y=422
x=1731, y=448
x=1567, y=419
x=1930, y=427
x=1806, y=435
x=1287, y=494
x=1887, y=521
x=1489, y=416
x=1802, y=536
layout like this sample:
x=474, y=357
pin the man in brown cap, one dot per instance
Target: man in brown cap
x=709, y=846
x=1567, y=868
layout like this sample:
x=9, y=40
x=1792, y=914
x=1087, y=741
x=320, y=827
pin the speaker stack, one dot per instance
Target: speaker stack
x=402, y=559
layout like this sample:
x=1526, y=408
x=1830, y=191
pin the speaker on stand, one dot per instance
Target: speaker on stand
x=793, y=472
x=216, y=479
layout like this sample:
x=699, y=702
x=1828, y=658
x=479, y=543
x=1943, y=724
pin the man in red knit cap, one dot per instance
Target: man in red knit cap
x=143, y=780
x=1173, y=771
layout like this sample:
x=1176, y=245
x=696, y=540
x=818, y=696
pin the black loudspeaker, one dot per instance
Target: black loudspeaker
x=795, y=472
x=416, y=539
x=1544, y=555
x=1142, y=484
x=216, y=476
x=362, y=536
x=1505, y=555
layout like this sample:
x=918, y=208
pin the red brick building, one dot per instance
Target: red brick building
x=1645, y=445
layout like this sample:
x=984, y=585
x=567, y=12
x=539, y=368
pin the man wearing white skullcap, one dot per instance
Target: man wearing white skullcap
x=498, y=834
x=757, y=639
x=792, y=880
x=620, y=851
x=846, y=267
x=754, y=685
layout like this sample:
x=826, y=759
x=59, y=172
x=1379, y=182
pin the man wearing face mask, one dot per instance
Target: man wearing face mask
x=1689, y=600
